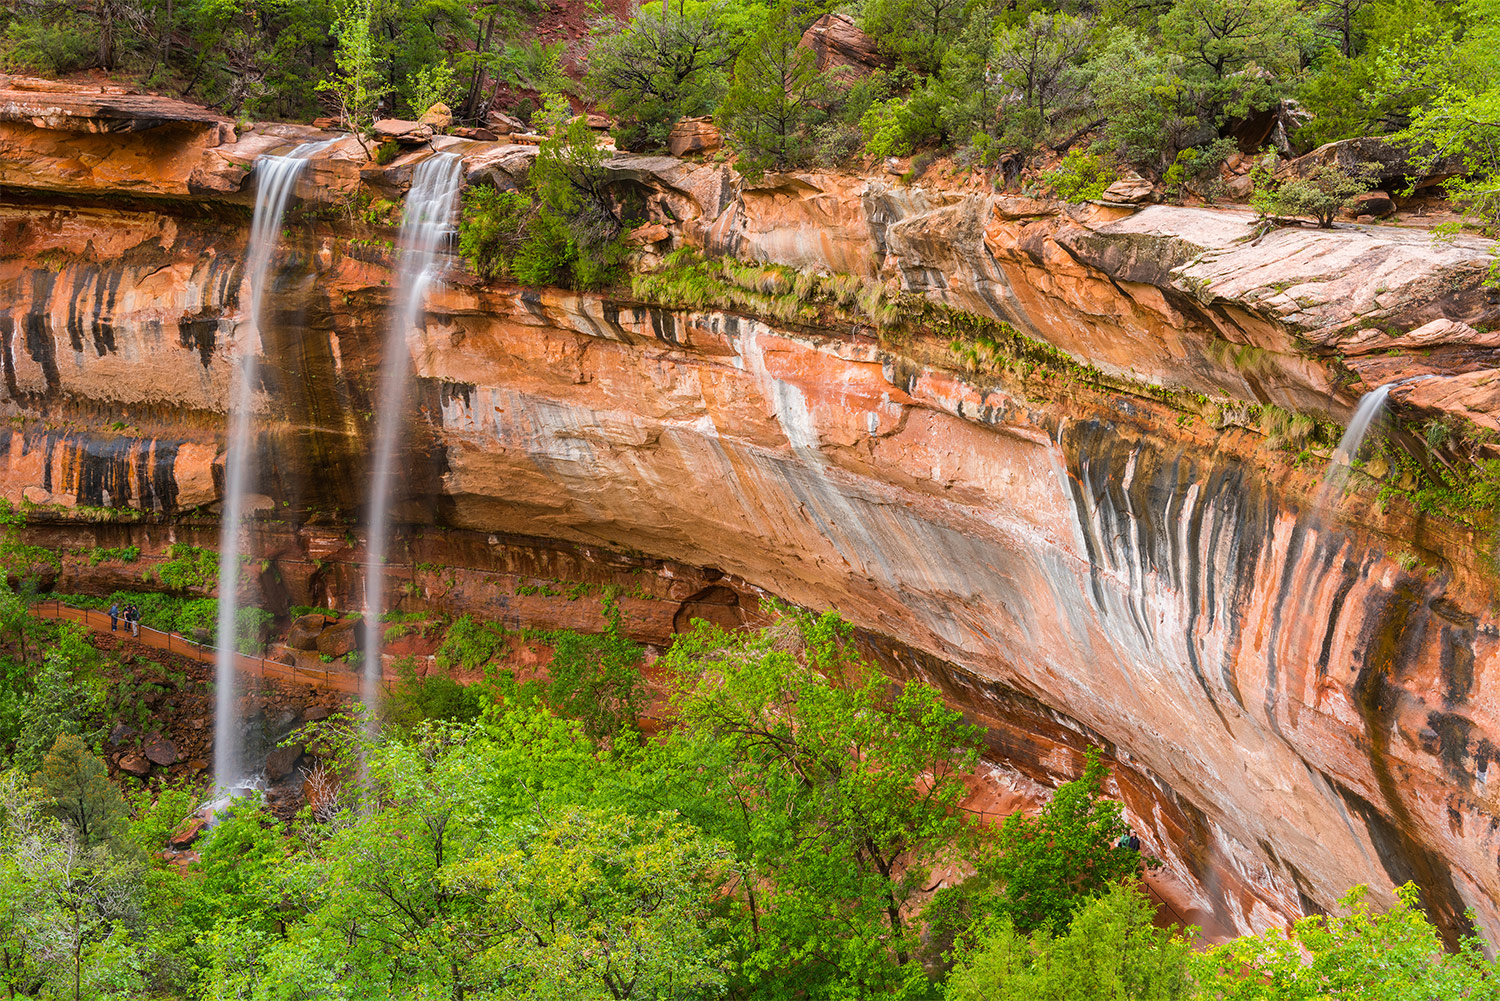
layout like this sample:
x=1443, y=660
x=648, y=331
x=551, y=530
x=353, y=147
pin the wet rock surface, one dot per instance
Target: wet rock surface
x=1293, y=707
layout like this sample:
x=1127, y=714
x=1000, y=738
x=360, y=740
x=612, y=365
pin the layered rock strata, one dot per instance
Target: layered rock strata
x=1296, y=698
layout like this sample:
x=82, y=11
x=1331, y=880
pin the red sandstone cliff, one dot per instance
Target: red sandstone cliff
x=1293, y=709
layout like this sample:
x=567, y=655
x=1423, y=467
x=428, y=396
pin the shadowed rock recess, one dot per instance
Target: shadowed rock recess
x=1296, y=701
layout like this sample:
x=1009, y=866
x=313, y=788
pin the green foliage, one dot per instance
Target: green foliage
x=19, y=559
x=434, y=83
x=76, y=787
x=58, y=699
x=470, y=645
x=492, y=229
x=1196, y=170
x=564, y=230
x=415, y=699
x=642, y=887
x=1237, y=55
x=186, y=568
x=1039, y=870
x=1079, y=177
x=576, y=233
x=854, y=787
x=71, y=926
x=124, y=554
x=918, y=31
x=51, y=44
x=773, y=104
x=359, y=84
x=667, y=62
x=1320, y=191
x=1110, y=952
x=596, y=679
x=1361, y=954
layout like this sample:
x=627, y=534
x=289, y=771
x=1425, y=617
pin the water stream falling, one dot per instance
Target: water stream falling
x=1370, y=407
x=275, y=180
x=425, y=226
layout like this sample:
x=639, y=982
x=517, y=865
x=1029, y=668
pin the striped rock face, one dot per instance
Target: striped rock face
x=1296, y=699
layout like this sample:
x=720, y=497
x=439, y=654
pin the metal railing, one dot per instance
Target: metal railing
x=246, y=665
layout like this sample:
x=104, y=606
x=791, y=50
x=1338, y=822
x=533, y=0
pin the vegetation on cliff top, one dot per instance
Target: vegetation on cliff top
x=1170, y=89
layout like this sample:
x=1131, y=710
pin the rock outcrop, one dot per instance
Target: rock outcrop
x=1296, y=699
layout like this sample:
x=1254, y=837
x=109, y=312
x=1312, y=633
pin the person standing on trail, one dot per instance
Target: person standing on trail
x=133, y=614
x=114, y=616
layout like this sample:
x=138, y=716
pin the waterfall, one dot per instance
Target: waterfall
x=426, y=224
x=1371, y=405
x=275, y=180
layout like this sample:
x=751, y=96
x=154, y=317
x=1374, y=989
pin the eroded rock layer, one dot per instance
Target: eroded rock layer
x=1296, y=698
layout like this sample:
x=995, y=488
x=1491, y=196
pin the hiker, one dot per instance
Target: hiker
x=133, y=616
x=114, y=616
x=1124, y=841
x=1135, y=842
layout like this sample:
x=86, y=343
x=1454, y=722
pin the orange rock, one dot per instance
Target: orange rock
x=694, y=135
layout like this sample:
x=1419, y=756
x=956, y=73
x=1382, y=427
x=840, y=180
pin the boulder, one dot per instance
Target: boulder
x=648, y=234
x=478, y=135
x=1392, y=164
x=339, y=638
x=602, y=123
x=437, y=117
x=837, y=41
x=403, y=132
x=499, y=121
x=1132, y=189
x=160, y=751
x=303, y=634
x=187, y=832
x=313, y=714
x=135, y=763
x=694, y=135
x=281, y=761
x=120, y=733
x=1372, y=203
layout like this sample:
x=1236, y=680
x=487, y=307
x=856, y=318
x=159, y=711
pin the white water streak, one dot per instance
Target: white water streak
x=275, y=180
x=426, y=225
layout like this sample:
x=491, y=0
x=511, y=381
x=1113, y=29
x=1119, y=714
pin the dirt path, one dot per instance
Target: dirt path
x=246, y=666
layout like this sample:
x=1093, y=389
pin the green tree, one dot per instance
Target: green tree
x=1038, y=871
x=1321, y=192
x=76, y=784
x=66, y=908
x=60, y=698
x=1365, y=954
x=666, y=63
x=1110, y=952
x=358, y=85
x=575, y=238
x=599, y=906
x=1239, y=55
x=917, y=31
x=839, y=796
x=1041, y=61
x=775, y=99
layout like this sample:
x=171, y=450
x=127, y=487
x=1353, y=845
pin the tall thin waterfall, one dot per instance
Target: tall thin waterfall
x=425, y=226
x=1371, y=405
x=276, y=178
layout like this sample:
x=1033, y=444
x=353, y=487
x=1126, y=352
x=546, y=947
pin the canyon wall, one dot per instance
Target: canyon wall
x=1296, y=697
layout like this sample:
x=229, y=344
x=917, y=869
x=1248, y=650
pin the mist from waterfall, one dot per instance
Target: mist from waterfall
x=425, y=226
x=275, y=181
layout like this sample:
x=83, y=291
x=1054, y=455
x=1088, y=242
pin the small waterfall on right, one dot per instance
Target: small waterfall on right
x=1371, y=406
x=425, y=225
x=275, y=180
